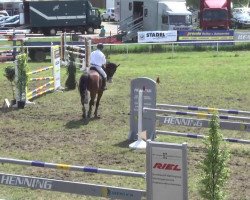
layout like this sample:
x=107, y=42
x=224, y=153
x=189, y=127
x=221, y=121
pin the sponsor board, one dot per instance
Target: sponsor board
x=166, y=171
x=209, y=35
x=55, y=55
x=241, y=36
x=148, y=86
x=157, y=36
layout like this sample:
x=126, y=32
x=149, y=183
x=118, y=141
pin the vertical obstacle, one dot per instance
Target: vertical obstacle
x=54, y=80
x=166, y=114
x=51, y=83
x=77, y=52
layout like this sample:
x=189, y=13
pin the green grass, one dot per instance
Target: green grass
x=52, y=130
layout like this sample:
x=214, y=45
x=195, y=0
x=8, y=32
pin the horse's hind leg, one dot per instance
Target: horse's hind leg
x=84, y=116
x=91, y=103
x=97, y=104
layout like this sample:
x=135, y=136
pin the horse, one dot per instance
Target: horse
x=92, y=83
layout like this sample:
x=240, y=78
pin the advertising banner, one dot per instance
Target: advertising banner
x=209, y=35
x=55, y=59
x=241, y=35
x=157, y=36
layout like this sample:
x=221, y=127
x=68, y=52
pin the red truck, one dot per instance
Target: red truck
x=215, y=14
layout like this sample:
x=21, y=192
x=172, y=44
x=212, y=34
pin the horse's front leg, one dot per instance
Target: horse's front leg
x=97, y=104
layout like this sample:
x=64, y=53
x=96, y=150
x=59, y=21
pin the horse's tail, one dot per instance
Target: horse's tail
x=83, y=85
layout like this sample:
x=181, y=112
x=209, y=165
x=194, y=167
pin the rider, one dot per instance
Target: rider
x=97, y=61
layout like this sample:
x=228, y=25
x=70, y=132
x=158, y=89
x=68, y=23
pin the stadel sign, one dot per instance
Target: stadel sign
x=157, y=36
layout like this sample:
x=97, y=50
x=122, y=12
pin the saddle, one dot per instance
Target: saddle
x=94, y=69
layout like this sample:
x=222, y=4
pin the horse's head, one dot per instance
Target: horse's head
x=110, y=70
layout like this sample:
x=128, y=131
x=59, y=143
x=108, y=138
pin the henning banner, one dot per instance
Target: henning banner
x=157, y=36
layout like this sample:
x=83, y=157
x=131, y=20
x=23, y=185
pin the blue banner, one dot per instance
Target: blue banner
x=209, y=35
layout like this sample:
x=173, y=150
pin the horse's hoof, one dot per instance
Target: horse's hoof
x=97, y=116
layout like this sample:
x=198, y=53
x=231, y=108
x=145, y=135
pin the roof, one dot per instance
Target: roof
x=177, y=8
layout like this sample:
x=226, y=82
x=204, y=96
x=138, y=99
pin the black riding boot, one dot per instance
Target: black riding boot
x=104, y=83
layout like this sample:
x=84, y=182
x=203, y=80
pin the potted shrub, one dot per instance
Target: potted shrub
x=10, y=75
x=71, y=70
x=22, y=79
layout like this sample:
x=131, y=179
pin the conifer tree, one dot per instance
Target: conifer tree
x=215, y=171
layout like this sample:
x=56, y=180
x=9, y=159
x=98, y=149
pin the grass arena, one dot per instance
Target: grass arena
x=53, y=131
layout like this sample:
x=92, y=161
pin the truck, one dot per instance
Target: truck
x=152, y=15
x=215, y=14
x=50, y=16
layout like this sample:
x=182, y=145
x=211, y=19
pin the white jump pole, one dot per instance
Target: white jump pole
x=139, y=144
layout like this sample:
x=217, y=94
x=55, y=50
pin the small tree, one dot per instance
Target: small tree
x=215, y=171
x=10, y=75
x=22, y=79
x=71, y=70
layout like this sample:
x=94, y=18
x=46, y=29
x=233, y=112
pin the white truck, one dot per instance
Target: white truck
x=153, y=15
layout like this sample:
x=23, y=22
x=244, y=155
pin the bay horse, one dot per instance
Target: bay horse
x=92, y=83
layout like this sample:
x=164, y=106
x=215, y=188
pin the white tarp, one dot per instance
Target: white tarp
x=177, y=8
x=157, y=36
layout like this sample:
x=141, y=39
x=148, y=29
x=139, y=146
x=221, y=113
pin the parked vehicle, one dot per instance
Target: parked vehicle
x=241, y=18
x=3, y=18
x=215, y=14
x=151, y=15
x=3, y=13
x=12, y=21
x=50, y=16
x=108, y=15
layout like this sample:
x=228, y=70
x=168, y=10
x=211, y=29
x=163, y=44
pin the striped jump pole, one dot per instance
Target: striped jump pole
x=206, y=109
x=199, y=136
x=40, y=70
x=73, y=167
x=198, y=115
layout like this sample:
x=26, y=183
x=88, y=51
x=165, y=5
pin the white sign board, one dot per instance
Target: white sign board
x=166, y=171
x=55, y=55
x=157, y=36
